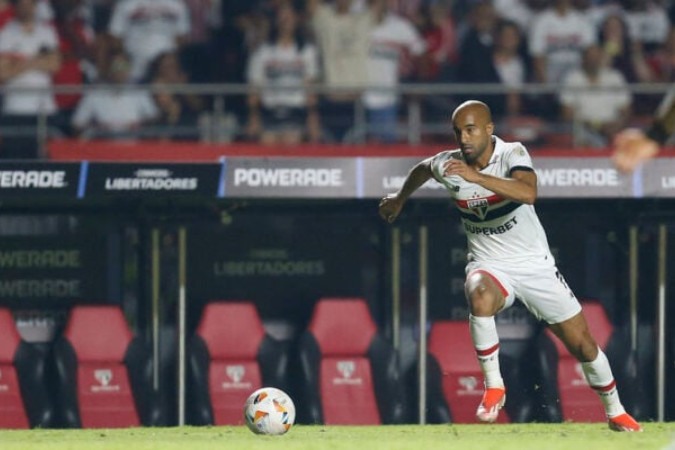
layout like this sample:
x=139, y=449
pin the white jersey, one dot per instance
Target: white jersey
x=21, y=43
x=390, y=41
x=273, y=67
x=561, y=39
x=498, y=230
x=148, y=28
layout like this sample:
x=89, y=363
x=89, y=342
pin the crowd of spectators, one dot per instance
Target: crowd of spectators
x=140, y=48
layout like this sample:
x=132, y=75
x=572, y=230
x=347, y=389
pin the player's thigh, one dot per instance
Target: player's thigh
x=546, y=294
x=498, y=282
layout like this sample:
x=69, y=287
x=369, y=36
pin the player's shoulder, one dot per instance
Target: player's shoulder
x=442, y=156
x=436, y=162
x=510, y=147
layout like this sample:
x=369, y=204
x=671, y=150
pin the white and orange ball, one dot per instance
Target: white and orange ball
x=269, y=411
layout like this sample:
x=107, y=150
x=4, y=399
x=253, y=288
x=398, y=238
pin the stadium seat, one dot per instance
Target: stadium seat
x=350, y=372
x=229, y=356
x=455, y=381
x=104, y=372
x=24, y=399
x=565, y=392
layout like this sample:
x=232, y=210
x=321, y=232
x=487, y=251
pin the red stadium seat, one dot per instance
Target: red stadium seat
x=230, y=356
x=350, y=373
x=455, y=379
x=104, y=373
x=566, y=394
x=24, y=400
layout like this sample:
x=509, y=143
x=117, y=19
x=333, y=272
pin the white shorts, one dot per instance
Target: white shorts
x=542, y=289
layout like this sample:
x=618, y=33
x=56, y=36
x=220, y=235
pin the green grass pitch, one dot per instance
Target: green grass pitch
x=564, y=436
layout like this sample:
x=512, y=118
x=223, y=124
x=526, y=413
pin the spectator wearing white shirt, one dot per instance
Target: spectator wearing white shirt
x=147, y=28
x=393, y=39
x=280, y=109
x=118, y=111
x=596, y=99
x=29, y=57
x=509, y=65
x=557, y=39
x=648, y=23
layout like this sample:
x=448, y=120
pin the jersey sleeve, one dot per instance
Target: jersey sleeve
x=518, y=158
x=436, y=164
x=255, y=71
x=84, y=113
x=537, y=37
x=6, y=41
x=119, y=21
x=51, y=40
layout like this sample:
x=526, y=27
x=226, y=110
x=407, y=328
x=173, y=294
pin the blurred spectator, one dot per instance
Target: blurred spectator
x=648, y=23
x=343, y=36
x=117, y=111
x=392, y=40
x=663, y=60
x=6, y=12
x=278, y=114
x=510, y=66
x=178, y=113
x=28, y=57
x=439, y=33
x=558, y=36
x=516, y=11
x=596, y=99
x=205, y=21
x=621, y=52
x=77, y=47
x=146, y=28
x=476, y=63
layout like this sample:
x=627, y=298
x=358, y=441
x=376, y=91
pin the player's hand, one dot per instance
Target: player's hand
x=390, y=207
x=631, y=148
x=460, y=168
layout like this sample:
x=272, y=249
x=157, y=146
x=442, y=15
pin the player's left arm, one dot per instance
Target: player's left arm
x=521, y=186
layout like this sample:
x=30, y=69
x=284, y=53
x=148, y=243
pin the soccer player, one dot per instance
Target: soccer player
x=632, y=146
x=494, y=187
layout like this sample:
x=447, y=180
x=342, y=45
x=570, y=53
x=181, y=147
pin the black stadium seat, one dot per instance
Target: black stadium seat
x=350, y=372
x=104, y=373
x=565, y=392
x=24, y=399
x=230, y=356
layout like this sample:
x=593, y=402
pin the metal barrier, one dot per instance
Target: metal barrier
x=221, y=122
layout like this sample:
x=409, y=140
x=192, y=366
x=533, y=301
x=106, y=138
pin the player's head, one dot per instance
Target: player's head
x=473, y=127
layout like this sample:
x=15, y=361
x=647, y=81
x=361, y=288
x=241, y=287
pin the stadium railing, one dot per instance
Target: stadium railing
x=423, y=114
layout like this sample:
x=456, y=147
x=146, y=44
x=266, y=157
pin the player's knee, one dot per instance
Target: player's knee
x=482, y=295
x=584, y=349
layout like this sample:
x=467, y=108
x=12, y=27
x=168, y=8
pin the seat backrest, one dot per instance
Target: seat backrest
x=461, y=378
x=344, y=330
x=578, y=402
x=100, y=337
x=232, y=333
x=12, y=411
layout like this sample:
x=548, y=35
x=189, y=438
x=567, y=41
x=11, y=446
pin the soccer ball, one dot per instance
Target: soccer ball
x=269, y=411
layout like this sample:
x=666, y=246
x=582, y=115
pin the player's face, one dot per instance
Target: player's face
x=473, y=133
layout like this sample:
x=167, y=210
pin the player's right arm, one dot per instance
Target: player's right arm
x=392, y=204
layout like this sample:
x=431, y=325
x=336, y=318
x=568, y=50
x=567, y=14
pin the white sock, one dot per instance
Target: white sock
x=486, y=342
x=599, y=376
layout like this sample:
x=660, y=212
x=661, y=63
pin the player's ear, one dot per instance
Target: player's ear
x=490, y=128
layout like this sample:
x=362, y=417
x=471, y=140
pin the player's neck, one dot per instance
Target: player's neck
x=484, y=159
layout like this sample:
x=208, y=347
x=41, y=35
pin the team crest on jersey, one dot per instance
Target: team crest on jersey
x=479, y=206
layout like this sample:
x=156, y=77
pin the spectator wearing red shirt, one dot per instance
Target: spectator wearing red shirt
x=77, y=47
